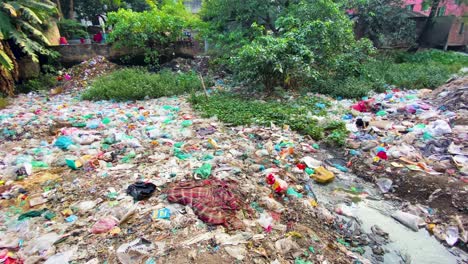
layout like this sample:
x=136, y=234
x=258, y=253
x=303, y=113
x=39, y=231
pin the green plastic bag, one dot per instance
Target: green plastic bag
x=31, y=214
x=186, y=123
x=204, y=171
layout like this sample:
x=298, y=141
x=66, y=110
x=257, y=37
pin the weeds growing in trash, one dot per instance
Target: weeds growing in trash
x=138, y=83
x=298, y=114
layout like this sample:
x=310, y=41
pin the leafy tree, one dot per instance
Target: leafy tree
x=274, y=61
x=229, y=22
x=152, y=31
x=22, y=23
x=384, y=22
x=71, y=28
x=307, y=41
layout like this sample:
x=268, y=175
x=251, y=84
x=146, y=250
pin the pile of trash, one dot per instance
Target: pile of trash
x=135, y=182
x=79, y=76
x=151, y=181
x=414, y=144
x=198, y=64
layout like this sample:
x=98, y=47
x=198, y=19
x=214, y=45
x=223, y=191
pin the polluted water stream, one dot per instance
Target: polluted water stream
x=363, y=202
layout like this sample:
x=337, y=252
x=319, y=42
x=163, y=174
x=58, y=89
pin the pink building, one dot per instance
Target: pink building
x=446, y=7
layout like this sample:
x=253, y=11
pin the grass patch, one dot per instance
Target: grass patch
x=137, y=83
x=235, y=110
x=3, y=103
x=425, y=69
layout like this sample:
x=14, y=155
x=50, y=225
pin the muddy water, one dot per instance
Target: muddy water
x=415, y=247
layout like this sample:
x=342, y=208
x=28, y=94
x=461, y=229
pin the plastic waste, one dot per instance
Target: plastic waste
x=140, y=190
x=271, y=204
x=277, y=184
x=41, y=243
x=135, y=251
x=452, y=235
x=311, y=162
x=409, y=220
x=385, y=184
x=204, y=171
x=104, y=225
x=30, y=214
x=71, y=218
x=286, y=245
x=164, y=213
x=265, y=221
x=60, y=258
x=291, y=192
x=323, y=175
x=85, y=206
x=237, y=252
x=439, y=128
x=63, y=142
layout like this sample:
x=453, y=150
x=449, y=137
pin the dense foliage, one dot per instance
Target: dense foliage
x=297, y=114
x=154, y=31
x=71, y=29
x=425, y=69
x=22, y=23
x=384, y=22
x=137, y=84
x=290, y=44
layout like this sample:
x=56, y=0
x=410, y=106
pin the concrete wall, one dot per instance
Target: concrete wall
x=451, y=7
x=74, y=54
x=455, y=38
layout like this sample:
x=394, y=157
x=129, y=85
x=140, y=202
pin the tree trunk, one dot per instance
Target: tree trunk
x=8, y=78
x=71, y=10
x=59, y=7
x=429, y=21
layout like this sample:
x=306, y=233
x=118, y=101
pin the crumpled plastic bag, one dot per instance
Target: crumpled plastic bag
x=63, y=142
x=61, y=258
x=135, y=251
x=204, y=171
x=439, y=128
x=141, y=190
x=104, y=225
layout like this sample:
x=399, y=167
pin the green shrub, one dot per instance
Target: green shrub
x=235, y=110
x=152, y=31
x=42, y=83
x=137, y=83
x=289, y=44
x=274, y=62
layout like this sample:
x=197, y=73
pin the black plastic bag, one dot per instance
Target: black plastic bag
x=140, y=190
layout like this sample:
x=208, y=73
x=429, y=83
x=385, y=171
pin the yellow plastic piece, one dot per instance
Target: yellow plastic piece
x=323, y=175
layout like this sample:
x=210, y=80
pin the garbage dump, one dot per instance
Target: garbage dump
x=152, y=182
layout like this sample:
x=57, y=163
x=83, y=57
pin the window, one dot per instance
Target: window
x=441, y=11
x=462, y=27
x=410, y=7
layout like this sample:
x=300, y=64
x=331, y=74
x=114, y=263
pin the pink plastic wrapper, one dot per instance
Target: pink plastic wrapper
x=104, y=225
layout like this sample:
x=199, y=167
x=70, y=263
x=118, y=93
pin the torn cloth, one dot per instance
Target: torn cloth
x=211, y=200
